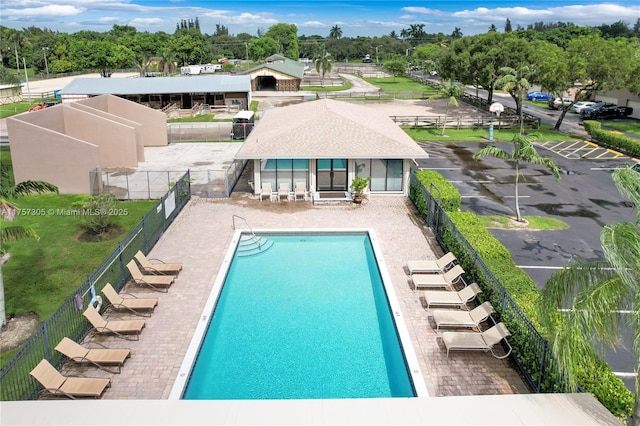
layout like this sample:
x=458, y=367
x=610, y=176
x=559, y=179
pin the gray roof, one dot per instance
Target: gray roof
x=328, y=129
x=135, y=86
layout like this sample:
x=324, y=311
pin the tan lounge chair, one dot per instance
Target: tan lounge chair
x=437, y=266
x=284, y=191
x=157, y=268
x=101, y=358
x=125, y=329
x=134, y=305
x=485, y=341
x=457, y=299
x=155, y=282
x=55, y=384
x=448, y=279
x=456, y=318
x=266, y=191
x=300, y=191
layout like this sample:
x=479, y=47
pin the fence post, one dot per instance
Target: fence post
x=543, y=361
x=126, y=176
x=148, y=187
x=45, y=338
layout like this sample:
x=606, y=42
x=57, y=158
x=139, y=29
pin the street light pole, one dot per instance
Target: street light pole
x=377, y=58
x=46, y=64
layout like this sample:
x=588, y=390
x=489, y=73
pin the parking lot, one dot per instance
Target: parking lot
x=585, y=198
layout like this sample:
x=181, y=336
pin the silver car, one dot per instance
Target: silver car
x=579, y=106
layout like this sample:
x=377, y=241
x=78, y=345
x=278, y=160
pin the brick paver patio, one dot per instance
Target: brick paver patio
x=199, y=238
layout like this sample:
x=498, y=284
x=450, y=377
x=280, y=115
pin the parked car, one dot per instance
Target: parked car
x=636, y=167
x=579, y=106
x=367, y=59
x=559, y=103
x=605, y=110
x=538, y=96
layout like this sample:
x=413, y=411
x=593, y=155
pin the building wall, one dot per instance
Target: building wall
x=154, y=122
x=117, y=142
x=39, y=153
x=622, y=97
x=138, y=128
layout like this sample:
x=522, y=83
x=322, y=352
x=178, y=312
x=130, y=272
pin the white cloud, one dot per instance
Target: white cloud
x=313, y=24
x=146, y=22
x=422, y=10
x=50, y=10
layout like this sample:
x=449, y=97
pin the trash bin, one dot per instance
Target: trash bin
x=56, y=94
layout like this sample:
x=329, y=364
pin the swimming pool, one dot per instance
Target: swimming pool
x=306, y=318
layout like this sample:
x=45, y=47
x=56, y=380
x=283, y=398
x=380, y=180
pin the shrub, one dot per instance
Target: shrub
x=612, y=140
x=451, y=198
x=97, y=213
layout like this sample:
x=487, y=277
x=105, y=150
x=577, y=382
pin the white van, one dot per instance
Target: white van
x=242, y=125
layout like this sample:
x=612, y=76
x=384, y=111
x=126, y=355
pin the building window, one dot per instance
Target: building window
x=386, y=175
x=287, y=171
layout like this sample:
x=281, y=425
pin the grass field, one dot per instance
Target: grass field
x=622, y=126
x=545, y=133
x=400, y=85
x=40, y=275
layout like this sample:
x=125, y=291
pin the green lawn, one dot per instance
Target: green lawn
x=200, y=118
x=400, y=85
x=532, y=223
x=546, y=133
x=40, y=275
x=623, y=126
x=326, y=88
x=13, y=109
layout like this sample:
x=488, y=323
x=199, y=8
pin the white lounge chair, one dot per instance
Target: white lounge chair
x=437, y=266
x=300, y=191
x=448, y=279
x=284, y=191
x=457, y=299
x=266, y=191
x=461, y=319
x=485, y=341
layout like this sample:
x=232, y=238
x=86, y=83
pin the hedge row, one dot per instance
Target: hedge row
x=612, y=140
x=597, y=378
x=447, y=195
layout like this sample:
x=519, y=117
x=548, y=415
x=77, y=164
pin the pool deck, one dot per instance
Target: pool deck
x=200, y=237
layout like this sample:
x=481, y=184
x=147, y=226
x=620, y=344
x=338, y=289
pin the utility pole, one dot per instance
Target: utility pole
x=46, y=64
x=26, y=78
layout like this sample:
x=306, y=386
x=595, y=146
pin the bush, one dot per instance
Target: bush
x=612, y=140
x=451, y=198
x=97, y=213
x=597, y=377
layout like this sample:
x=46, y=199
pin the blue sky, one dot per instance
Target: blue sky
x=356, y=17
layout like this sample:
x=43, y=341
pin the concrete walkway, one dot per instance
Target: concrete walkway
x=199, y=238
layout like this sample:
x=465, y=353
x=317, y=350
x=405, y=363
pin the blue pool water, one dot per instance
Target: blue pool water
x=307, y=318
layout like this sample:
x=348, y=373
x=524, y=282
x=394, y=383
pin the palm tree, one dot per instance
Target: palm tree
x=451, y=91
x=516, y=82
x=323, y=65
x=592, y=293
x=8, y=210
x=523, y=152
x=335, y=32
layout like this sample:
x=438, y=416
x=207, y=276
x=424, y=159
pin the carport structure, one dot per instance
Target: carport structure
x=160, y=92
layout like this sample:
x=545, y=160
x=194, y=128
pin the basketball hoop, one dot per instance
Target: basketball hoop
x=496, y=107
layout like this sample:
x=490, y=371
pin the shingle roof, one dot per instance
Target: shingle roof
x=328, y=129
x=134, y=86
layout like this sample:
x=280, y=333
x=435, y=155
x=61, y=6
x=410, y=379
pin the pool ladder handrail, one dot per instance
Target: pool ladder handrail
x=255, y=237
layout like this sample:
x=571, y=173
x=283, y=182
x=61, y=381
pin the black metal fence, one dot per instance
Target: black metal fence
x=68, y=321
x=531, y=352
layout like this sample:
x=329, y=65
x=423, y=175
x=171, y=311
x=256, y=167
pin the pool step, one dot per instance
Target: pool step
x=250, y=245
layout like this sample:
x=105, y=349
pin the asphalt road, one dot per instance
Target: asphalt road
x=585, y=198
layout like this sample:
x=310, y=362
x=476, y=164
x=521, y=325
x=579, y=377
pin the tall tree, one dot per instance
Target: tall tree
x=335, y=32
x=523, y=152
x=323, y=64
x=582, y=303
x=450, y=91
x=286, y=35
x=516, y=83
x=507, y=26
x=8, y=209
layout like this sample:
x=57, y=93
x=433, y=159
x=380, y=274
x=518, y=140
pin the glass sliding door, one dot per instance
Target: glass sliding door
x=386, y=175
x=332, y=175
